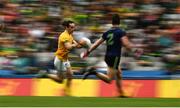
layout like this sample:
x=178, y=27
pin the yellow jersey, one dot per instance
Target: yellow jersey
x=62, y=52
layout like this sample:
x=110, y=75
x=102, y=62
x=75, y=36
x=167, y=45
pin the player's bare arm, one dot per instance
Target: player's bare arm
x=69, y=45
x=96, y=44
x=93, y=47
x=77, y=44
x=131, y=47
x=127, y=43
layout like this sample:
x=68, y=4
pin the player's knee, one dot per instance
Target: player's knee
x=69, y=76
x=60, y=80
x=109, y=81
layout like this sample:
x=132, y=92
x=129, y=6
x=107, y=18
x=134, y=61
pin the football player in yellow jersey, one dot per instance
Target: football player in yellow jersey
x=66, y=42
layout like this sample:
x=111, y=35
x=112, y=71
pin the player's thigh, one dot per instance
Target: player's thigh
x=68, y=69
x=112, y=61
x=113, y=64
x=64, y=68
x=59, y=65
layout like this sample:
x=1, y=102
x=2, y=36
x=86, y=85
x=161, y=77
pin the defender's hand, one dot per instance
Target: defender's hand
x=138, y=52
x=84, y=54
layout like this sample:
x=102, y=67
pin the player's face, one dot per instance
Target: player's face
x=71, y=27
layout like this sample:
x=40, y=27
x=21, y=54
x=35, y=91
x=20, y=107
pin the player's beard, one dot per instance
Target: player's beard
x=71, y=32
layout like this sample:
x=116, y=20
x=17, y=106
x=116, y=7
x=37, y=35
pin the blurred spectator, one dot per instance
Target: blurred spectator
x=24, y=63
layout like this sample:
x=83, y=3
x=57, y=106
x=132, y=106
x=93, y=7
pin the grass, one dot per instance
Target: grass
x=45, y=101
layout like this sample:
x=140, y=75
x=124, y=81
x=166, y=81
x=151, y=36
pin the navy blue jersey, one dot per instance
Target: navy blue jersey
x=113, y=41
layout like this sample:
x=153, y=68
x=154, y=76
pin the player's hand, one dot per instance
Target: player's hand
x=138, y=52
x=84, y=54
x=79, y=46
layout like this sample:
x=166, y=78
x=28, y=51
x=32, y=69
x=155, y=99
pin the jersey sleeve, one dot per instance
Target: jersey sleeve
x=64, y=38
x=104, y=36
x=123, y=33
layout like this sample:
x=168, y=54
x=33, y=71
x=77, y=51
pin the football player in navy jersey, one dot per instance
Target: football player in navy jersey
x=115, y=39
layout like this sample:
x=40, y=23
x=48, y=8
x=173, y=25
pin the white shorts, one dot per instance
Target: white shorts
x=61, y=66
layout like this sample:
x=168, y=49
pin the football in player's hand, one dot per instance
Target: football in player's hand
x=85, y=42
x=138, y=53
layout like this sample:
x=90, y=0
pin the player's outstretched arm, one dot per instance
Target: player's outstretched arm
x=69, y=45
x=77, y=44
x=96, y=44
x=131, y=47
x=93, y=47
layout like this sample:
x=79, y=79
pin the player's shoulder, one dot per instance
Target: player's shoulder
x=119, y=30
x=63, y=35
x=107, y=32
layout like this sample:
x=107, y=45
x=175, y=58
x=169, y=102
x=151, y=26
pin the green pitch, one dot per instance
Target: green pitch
x=44, y=101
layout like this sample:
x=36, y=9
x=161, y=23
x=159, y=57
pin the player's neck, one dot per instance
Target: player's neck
x=69, y=32
x=115, y=26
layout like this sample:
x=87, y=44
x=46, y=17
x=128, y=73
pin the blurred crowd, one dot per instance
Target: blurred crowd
x=30, y=29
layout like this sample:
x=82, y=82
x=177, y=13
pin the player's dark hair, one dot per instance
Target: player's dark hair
x=115, y=19
x=66, y=23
